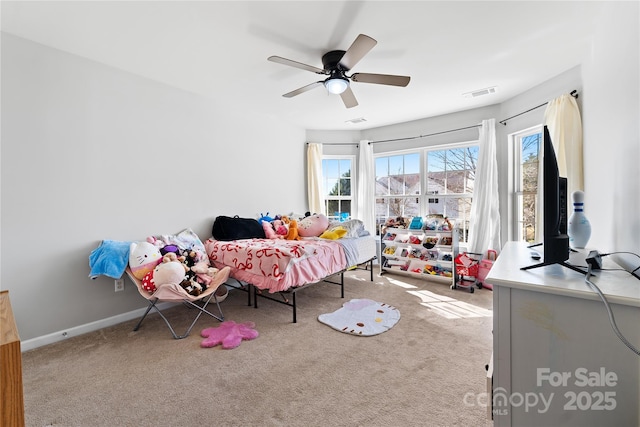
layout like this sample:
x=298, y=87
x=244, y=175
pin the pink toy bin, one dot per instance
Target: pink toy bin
x=485, y=267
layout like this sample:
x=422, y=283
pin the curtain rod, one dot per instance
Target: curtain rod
x=337, y=143
x=423, y=136
x=573, y=93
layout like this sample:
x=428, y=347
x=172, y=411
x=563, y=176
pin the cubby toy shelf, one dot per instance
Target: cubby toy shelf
x=427, y=254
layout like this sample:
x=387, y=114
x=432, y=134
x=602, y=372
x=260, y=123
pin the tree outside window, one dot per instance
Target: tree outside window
x=527, y=149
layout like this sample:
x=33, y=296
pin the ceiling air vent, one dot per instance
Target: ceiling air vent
x=358, y=120
x=480, y=92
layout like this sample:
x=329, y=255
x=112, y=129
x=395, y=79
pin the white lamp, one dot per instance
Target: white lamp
x=336, y=85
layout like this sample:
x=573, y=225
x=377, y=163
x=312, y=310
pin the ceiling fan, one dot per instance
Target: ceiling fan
x=336, y=63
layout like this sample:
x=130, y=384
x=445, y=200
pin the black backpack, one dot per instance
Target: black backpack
x=236, y=228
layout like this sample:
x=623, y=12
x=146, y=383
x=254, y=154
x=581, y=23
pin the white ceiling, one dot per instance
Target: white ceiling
x=219, y=49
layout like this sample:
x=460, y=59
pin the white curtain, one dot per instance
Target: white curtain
x=484, y=227
x=562, y=117
x=314, y=177
x=365, y=201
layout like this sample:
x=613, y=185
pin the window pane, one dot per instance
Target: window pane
x=529, y=217
x=396, y=165
x=529, y=166
x=458, y=210
x=436, y=172
x=454, y=167
x=345, y=207
x=436, y=205
x=398, y=175
x=345, y=186
x=382, y=186
x=471, y=165
x=331, y=186
x=382, y=167
x=526, y=166
x=412, y=163
x=345, y=167
x=332, y=206
x=397, y=206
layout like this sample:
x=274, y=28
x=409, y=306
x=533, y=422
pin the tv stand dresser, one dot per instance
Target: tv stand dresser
x=556, y=358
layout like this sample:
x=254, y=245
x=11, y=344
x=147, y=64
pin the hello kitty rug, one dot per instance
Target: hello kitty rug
x=362, y=317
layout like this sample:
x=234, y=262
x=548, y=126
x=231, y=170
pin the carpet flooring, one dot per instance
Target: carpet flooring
x=428, y=370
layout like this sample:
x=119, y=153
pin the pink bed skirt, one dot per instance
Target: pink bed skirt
x=275, y=264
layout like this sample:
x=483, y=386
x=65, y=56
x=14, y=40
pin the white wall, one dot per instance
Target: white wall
x=611, y=118
x=90, y=153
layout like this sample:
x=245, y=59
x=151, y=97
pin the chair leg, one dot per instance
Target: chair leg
x=152, y=304
x=201, y=309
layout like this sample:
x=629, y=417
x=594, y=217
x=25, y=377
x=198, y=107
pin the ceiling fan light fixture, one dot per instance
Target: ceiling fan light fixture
x=336, y=85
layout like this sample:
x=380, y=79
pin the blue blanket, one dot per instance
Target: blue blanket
x=109, y=259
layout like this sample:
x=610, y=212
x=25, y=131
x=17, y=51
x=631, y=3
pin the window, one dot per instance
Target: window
x=526, y=159
x=427, y=181
x=451, y=176
x=337, y=185
x=398, y=186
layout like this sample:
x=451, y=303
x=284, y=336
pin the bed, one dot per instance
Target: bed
x=275, y=267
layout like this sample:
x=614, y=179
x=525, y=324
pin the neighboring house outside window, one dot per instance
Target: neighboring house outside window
x=427, y=181
x=338, y=186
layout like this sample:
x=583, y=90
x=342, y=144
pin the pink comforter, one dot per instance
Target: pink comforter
x=277, y=265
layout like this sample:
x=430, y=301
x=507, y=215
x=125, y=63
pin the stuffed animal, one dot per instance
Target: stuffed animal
x=280, y=227
x=266, y=218
x=143, y=257
x=172, y=256
x=169, y=272
x=293, y=230
x=269, y=231
x=192, y=286
x=147, y=283
x=190, y=258
x=155, y=241
x=313, y=225
x=170, y=249
x=204, y=274
x=230, y=334
x=334, y=233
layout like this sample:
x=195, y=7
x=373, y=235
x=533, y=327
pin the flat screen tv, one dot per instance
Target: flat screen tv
x=555, y=242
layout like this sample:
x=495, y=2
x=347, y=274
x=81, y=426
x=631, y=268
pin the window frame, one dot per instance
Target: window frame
x=352, y=177
x=516, y=189
x=424, y=196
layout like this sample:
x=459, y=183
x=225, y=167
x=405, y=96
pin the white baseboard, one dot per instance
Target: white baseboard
x=88, y=327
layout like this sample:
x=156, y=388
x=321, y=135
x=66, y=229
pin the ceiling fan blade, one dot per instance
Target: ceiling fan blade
x=302, y=89
x=381, y=79
x=358, y=49
x=289, y=62
x=349, y=98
